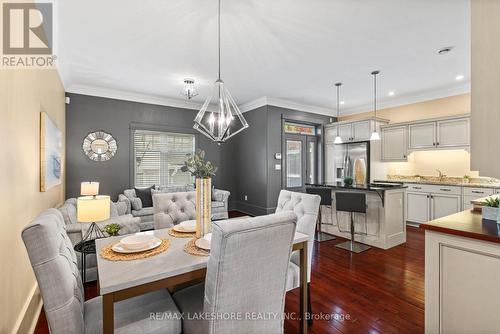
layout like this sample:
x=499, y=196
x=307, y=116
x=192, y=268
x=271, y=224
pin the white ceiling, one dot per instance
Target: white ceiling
x=284, y=50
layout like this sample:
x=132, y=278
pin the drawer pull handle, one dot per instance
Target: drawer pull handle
x=445, y=189
x=477, y=192
x=417, y=187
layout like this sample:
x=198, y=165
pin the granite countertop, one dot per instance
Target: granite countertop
x=445, y=183
x=366, y=187
x=467, y=224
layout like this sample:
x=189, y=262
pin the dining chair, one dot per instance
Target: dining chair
x=306, y=207
x=170, y=209
x=246, y=274
x=54, y=263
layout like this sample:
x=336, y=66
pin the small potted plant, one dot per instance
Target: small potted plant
x=466, y=179
x=418, y=178
x=348, y=181
x=112, y=229
x=490, y=209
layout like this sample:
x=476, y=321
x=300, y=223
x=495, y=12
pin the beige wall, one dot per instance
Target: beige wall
x=448, y=106
x=451, y=162
x=485, y=118
x=23, y=94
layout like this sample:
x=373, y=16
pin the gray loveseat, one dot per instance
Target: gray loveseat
x=220, y=199
x=75, y=230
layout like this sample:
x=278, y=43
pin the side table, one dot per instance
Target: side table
x=85, y=247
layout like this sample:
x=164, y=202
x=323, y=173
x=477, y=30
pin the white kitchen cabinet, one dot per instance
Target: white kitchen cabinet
x=345, y=132
x=394, y=143
x=428, y=202
x=422, y=135
x=361, y=131
x=452, y=133
x=330, y=134
x=329, y=163
x=470, y=194
x=417, y=207
x=444, y=205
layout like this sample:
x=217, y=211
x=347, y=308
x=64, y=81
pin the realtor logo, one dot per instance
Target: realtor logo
x=27, y=35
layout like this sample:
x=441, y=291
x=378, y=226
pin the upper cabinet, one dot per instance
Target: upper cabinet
x=351, y=131
x=394, y=143
x=422, y=135
x=451, y=133
x=446, y=133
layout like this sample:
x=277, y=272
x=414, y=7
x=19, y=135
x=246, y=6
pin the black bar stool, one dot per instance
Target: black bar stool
x=326, y=200
x=351, y=202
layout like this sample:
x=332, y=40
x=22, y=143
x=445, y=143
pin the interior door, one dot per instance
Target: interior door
x=295, y=162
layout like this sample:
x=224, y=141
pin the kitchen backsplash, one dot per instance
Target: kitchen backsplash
x=445, y=179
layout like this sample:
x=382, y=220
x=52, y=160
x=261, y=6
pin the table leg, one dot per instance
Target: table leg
x=303, y=289
x=84, y=267
x=108, y=317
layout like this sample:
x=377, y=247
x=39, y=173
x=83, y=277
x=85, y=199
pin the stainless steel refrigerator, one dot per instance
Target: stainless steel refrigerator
x=345, y=156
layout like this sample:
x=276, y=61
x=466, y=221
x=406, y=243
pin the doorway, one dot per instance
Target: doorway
x=301, y=156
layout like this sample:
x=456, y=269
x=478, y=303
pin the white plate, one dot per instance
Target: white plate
x=188, y=226
x=119, y=248
x=202, y=243
x=208, y=237
x=138, y=241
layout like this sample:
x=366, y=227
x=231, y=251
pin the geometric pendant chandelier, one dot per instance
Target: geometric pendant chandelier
x=226, y=120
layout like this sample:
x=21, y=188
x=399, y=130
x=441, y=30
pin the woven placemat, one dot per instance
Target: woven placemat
x=109, y=254
x=177, y=234
x=192, y=249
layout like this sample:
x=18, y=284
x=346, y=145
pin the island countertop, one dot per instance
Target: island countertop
x=365, y=187
x=467, y=224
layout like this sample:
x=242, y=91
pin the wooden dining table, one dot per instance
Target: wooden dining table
x=120, y=280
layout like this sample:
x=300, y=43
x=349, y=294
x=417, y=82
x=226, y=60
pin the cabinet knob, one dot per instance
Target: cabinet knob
x=437, y=144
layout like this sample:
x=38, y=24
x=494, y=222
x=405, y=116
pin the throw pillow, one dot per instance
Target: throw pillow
x=136, y=203
x=113, y=211
x=145, y=195
x=121, y=207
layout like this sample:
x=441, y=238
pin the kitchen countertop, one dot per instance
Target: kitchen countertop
x=366, y=187
x=445, y=183
x=467, y=224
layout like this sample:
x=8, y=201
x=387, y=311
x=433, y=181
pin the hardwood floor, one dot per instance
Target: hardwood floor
x=375, y=292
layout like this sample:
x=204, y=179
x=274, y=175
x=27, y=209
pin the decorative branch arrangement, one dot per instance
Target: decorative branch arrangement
x=198, y=167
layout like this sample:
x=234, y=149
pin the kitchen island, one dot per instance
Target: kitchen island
x=384, y=226
x=462, y=267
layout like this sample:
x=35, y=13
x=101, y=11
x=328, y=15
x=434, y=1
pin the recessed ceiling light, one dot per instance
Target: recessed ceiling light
x=444, y=50
x=342, y=102
x=459, y=77
x=391, y=94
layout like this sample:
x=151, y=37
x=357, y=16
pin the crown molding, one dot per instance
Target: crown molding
x=282, y=103
x=410, y=98
x=254, y=104
x=134, y=97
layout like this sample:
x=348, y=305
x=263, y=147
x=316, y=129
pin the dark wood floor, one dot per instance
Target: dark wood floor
x=373, y=292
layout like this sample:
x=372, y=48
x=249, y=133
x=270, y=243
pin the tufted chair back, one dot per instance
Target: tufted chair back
x=53, y=260
x=306, y=207
x=170, y=209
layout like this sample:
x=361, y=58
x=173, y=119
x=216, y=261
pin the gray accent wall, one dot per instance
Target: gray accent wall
x=86, y=114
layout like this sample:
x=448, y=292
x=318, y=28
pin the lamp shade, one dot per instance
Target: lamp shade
x=93, y=209
x=89, y=188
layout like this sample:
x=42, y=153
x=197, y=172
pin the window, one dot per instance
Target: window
x=159, y=156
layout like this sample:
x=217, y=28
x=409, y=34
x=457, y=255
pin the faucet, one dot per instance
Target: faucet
x=441, y=175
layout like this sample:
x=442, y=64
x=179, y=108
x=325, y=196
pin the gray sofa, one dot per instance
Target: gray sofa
x=172, y=208
x=75, y=230
x=220, y=199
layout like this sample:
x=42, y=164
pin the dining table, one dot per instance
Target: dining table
x=120, y=280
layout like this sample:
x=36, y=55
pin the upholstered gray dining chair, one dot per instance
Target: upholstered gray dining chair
x=246, y=274
x=306, y=207
x=54, y=263
x=170, y=209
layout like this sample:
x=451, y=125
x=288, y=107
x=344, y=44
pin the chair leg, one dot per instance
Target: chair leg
x=309, y=307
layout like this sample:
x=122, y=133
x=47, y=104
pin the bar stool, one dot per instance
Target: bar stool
x=351, y=202
x=326, y=200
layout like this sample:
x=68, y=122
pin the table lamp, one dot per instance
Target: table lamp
x=89, y=189
x=92, y=209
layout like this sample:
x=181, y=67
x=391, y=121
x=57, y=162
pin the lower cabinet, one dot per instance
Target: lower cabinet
x=429, y=202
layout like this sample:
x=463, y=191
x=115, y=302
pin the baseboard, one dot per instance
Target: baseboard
x=28, y=317
x=252, y=210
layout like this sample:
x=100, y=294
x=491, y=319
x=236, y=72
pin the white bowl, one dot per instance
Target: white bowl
x=188, y=224
x=137, y=241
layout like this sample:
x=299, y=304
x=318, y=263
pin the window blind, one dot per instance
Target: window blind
x=159, y=156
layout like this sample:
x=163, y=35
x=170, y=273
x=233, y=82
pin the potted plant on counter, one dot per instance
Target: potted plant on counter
x=203, y=171
x=490, y=209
